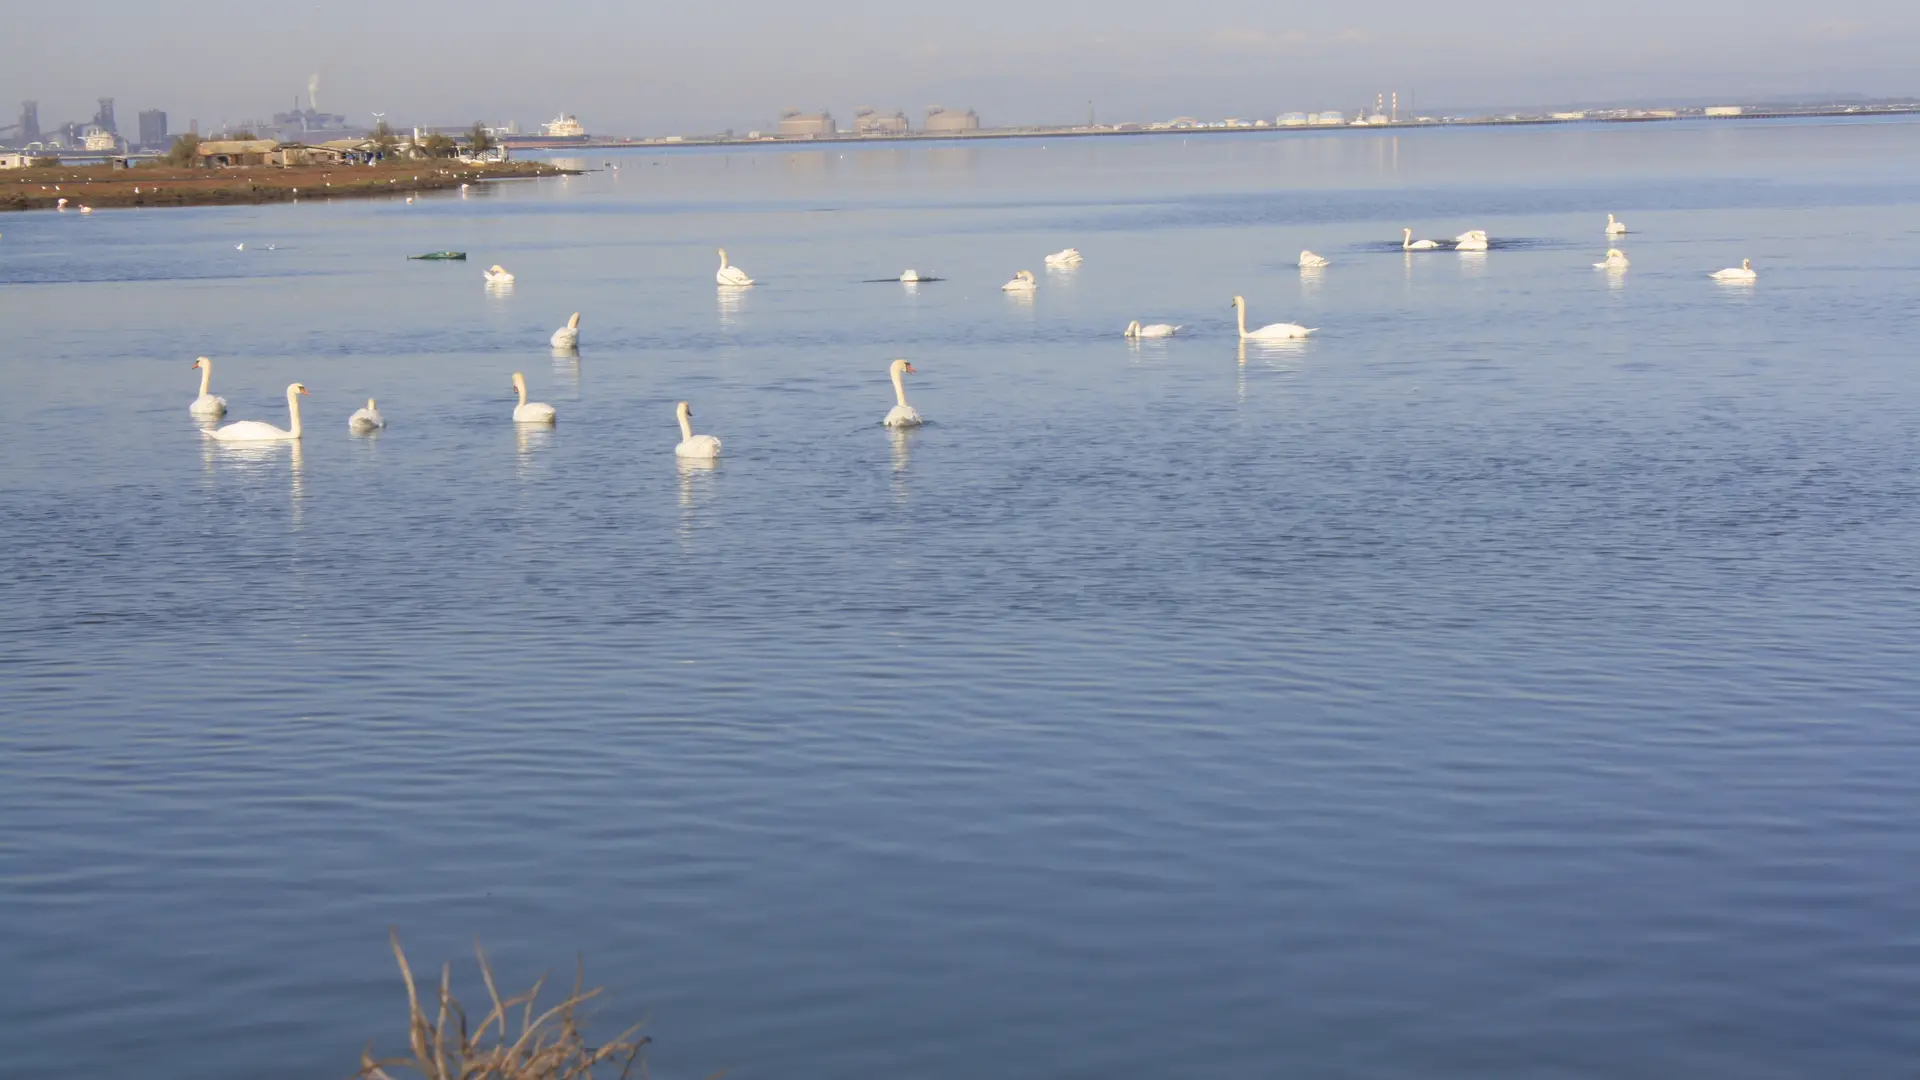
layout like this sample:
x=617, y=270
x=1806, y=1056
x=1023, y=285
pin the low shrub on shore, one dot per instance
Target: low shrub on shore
x=547, y=1046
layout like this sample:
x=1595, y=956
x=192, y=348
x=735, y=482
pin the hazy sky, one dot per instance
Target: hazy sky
x=659, y=69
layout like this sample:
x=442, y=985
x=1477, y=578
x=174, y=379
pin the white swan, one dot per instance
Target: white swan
x=241, y=246
x=367, y=419
x=497, y=275
x=1159, y=329
x=909, y=276
x=61, y=205
x=1615, y=227
x=902, y=414
x=1408, y=243
x=1310, y=261
x=1022, y=282
x=1615, y=260
x=730, y=275
x=1471, y=240
x=207, y=405
x=259, y=431
x=1065, y=257
x=1743, y=272
x=1280, y=331
x=568, y=336
x=691, y=445
x=85, y=209
x=530, y=412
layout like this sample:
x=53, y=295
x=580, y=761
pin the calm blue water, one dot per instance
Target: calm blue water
x=1519, y=678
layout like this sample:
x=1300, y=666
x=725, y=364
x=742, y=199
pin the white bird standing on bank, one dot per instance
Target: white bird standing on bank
x=367, y=419
x=530, y=412
x=1408, y=243
x=1615, y=260
x=902, y=414
x=568, y=336
x=1471, y=240
x=1022, y=282
x=61, y=205
x=1159, y=329
x=207, y=406
x=497, y=275
x=1743, y=272
x=1310, y=261
x=1280, y=331
x=260, y=431
x=1614, y=227
x=730, y=275
x=1065, y=257
x=691, y=445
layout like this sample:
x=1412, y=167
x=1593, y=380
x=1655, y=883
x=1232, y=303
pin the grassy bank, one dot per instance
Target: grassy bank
x=100, y=187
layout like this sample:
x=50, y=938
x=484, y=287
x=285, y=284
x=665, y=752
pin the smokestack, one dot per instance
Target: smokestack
x=313, y=91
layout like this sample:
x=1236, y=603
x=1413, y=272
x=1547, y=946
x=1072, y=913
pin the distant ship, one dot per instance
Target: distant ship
x=562, y=130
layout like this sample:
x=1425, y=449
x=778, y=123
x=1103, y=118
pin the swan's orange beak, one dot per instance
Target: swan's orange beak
x=911, y=369
x=303, y=392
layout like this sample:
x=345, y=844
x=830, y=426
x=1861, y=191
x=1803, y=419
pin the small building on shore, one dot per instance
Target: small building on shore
x=226, y=153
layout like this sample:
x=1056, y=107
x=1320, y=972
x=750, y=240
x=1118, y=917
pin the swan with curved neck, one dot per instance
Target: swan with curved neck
x=1280, y=331
x=730, y=275
x=902, y=414
x=1022, y=282
x=1310, y=261
x=691, y=445
x=260, y=431
x=1615, y=260
x=367, y=419
x=1408, y=243
x=1471, y=240
x=1159, y=329
x=1065, y=257
x=1743, y=272
x=1615, y=227
x=497, y=275
x=207, y=405
x=568, y=336
x=530, y=412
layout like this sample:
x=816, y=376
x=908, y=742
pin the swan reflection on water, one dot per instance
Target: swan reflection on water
x=1311, y=278
x=1473, y=263
x=732, y=305
x=696, y=477
x=901, y=440
x=528, y=440
x=566, y=367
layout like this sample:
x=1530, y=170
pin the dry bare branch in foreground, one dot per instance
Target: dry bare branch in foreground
x=549, y=1046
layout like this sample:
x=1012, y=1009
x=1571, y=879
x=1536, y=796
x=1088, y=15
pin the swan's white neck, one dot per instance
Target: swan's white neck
x=293, y=411
x=206, y=376
x=1406, y=239
x=900, y=386
x=1240, y=311
x=686, y=426
x=723, y=258
x=520, y=385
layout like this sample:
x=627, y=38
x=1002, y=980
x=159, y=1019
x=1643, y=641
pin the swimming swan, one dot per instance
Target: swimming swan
x=1471, y=240
x=259, y=431
x=568, y=336
x=691, y=445
x=1615, y=260
x=530, y=412
x=207, y=405
x=1615, y=228
x=1280, y=331
x=367, y=419
x=1065, y=257
x=497, y=275
x=730, y=275
x=903, y=414
x=909, y=276
x=1743, y=272
x=1310, y=261
x=1159, y=329
x=1022, y=282
x=1408, y=243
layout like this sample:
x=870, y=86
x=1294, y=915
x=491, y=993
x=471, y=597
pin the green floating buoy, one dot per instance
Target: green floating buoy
x=461, y=255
